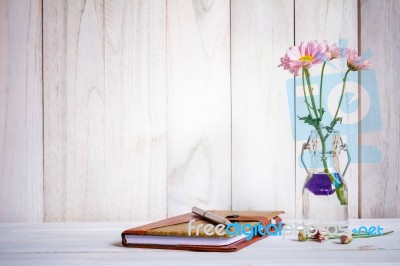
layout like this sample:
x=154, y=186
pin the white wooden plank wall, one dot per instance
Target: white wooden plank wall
x=262, y=143
x=105, y=110
x=136, y=110
x=380, y=183
x=21, y=124
x=74, y=173
x=199, y=105
x=151, y=107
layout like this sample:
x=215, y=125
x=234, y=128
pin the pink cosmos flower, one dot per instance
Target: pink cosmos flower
x=306, y=54
x=355, y=62
x=332, y=51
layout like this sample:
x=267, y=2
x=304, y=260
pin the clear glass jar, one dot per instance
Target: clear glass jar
x=325, y=196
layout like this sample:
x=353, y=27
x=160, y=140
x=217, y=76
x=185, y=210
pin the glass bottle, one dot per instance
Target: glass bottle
x=325, y=196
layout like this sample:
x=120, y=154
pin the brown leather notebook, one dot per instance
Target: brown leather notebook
x=173, y=233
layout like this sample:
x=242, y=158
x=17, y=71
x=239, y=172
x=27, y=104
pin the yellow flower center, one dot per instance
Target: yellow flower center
x=306, y=58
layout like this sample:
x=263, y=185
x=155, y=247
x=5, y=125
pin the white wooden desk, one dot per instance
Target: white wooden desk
x=99, y=244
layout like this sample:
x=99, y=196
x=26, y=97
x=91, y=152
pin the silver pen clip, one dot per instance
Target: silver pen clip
x=211, y=216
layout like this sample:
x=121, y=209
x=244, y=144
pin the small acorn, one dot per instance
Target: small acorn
x=346, y=239
x=302, y=236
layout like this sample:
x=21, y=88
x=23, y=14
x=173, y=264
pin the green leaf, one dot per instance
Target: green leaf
x=310, y=121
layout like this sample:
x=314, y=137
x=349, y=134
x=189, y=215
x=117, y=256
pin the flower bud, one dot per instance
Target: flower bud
x=321, y=236
x=302, y=236
x=346, y=239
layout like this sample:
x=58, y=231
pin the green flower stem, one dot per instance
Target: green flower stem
x=314, y=106
x=320, y=90
x=341, y=96
x=340, y=193
x=326, y=170
x=339, y=188
x=360, y=235
x=324, y=161
x=304, y=91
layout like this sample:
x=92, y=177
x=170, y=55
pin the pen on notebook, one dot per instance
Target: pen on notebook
x=211, y=216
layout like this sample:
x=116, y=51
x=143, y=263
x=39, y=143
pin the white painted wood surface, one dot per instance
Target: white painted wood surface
x=21, y=124
x=380, y=183
x=100, y=244
x=199, y=105
x=331, y=21
x=263, y=158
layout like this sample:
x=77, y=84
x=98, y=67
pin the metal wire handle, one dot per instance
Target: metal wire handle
x=306, y=146
x=344, y=147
